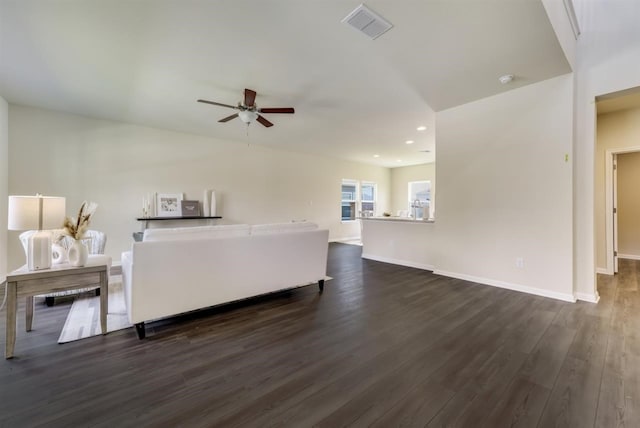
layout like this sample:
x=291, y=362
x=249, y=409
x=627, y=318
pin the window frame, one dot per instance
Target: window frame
x=411, y=201
x=358, y=201
x=354, y=201
x=373, y=201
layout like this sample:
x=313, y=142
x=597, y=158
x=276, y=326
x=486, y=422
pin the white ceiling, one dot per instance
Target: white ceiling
x=147, y=62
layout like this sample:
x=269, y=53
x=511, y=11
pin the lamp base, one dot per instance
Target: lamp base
x=39, y=251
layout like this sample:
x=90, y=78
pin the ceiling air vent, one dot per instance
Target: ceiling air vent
x=367, y=21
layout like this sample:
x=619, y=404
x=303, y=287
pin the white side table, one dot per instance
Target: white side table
x=25, y=283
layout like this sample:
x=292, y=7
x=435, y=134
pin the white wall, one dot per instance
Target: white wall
x=629, y=205
x=4, y=185
x=504, y=189
x=400, y=178
x=617, y=130
x=608, y=60
x=116, y=164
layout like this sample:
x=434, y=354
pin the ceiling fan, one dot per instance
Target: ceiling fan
x=249, y=111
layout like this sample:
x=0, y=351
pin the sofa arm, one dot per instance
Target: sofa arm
x=127, y=271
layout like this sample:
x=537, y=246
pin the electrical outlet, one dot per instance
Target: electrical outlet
x=519, y=262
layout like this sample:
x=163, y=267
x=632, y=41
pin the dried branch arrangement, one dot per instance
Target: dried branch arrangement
x=76, y=227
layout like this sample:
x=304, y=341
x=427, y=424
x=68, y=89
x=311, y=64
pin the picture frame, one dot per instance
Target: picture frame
x=190, y=208
x=168, y=205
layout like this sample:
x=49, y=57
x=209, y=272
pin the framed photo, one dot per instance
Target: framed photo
x=190, y=208
x=168, y=205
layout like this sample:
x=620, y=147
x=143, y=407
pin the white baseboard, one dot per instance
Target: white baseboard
x=398, y=262
x=588, y=297
x=603, y=271
x=510, y=286
x=628, y=256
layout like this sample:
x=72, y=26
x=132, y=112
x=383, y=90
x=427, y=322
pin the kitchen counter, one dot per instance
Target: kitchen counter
x=402, y=219
x=400, y=240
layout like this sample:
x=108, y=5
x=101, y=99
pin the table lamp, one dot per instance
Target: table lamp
x=41, y=213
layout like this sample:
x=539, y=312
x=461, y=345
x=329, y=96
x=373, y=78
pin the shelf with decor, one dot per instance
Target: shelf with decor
x=145, y=222
x=176, y=218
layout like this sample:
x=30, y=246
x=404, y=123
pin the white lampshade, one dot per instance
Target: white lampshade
x=36, y=212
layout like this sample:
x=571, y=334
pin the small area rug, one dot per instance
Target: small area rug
x=84, y=316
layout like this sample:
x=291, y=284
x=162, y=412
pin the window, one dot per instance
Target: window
x=368, y=198
x=357, y=198
x=349, y=199
x=420, y=199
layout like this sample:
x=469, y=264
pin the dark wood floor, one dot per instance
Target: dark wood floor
x=383, y=346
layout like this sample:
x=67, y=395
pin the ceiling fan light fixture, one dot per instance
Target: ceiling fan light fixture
x=247, y=116
x=249, y=111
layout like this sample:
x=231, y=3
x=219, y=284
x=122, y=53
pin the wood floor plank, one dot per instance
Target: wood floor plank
x=383, y=346
x=546, y=359
x=418, y=406
x=574, y=399
x=619, y=398
x=521, y=406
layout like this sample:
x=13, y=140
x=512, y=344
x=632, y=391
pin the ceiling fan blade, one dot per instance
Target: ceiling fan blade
x=277, y=110
x=228, y=118
x=217, y=104
x=264, y=121
x=249, y=97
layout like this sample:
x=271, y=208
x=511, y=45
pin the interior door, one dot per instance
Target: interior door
x=615, y=213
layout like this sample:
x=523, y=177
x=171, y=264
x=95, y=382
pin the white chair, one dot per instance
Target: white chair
x=95, y=241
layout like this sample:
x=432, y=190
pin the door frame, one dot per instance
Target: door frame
x=610, y=194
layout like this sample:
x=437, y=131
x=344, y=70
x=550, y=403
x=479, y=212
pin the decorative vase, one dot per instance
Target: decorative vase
x=58, y=254
x=212, y=210
x=78, y=254
x=206, y=207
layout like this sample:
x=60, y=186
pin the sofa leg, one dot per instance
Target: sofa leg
x=97, y=292
x=140, y=330
x=321, y=285
x=49, y=301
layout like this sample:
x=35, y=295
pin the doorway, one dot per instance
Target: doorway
x=624, y=208
x=616, y=136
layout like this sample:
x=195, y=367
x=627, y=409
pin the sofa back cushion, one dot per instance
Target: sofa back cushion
x=273, y=228
x=198, y=232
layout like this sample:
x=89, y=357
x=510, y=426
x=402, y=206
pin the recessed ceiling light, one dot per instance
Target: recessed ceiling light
x=376, y=156
x=421, y=128
x=398, y=160
x=507, y=78
x=409, y=141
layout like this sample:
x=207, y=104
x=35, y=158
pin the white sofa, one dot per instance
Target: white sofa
x=183, y=269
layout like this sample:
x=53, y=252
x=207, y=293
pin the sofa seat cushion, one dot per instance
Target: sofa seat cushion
x=272, y=228
x=198, y=232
